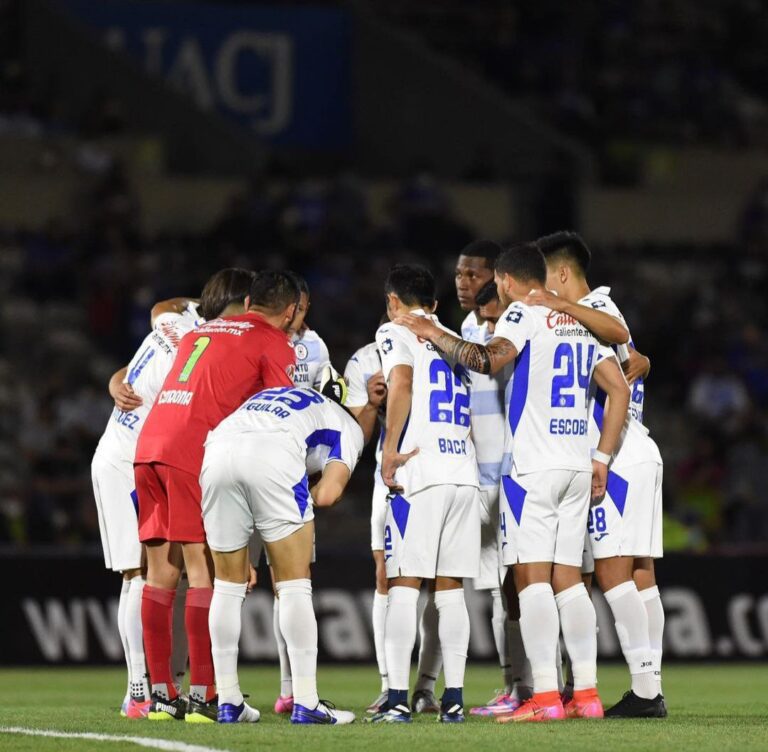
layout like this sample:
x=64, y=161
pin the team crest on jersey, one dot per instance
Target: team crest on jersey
x=301, y=351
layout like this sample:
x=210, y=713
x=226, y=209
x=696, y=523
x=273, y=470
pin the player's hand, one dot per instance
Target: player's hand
x=636, y=367
x=377, y=389
x=126, y=399
x=421, y=326
x=390, y=463
x=253, y=578
x=545, y=298
x=599, y=480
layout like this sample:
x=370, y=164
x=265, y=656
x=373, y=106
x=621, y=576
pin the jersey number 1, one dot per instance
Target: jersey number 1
x=200, y=344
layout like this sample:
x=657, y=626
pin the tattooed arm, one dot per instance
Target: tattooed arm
x=490, y=358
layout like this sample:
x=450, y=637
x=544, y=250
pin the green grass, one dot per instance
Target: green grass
x=711, y=708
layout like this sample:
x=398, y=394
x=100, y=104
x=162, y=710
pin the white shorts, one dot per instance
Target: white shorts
x=378, y=516
x=254, y=483
x=543, y=516
x=115, y=492
x=588, y=560
x=492, y=571
x=433, y=533
x=628, y=521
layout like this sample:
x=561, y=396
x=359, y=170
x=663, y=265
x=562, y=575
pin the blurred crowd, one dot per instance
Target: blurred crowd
x=76, y=299
x=673, y=71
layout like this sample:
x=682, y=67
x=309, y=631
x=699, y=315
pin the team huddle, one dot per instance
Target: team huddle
x=513, y=455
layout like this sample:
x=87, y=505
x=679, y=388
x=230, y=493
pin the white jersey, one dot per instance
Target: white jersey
x=486, y=408
x=600, y=299
x=311, y=357
x=361, y=366
x=438, y=423
x=323, y=431
x=547, y=397
x=146, y=374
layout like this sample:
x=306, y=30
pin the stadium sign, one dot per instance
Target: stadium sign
x=71, y=618
x=285, y=74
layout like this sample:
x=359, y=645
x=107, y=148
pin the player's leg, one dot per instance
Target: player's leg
x=520, y=667
x=380, y=596
x=378, y=622
x=528, y=519
x=180, y=652
x=490, y=579
x=284, y=701
x=228, y=521
x=164, y=563
x=411, y=532
x=577, y=613
x=430, y=657
x=645, y=576
x=458, y=557
x=225, y=624
x=113, y=490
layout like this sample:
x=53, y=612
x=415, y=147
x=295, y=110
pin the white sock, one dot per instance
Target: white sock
x=631, y=621
x=298, y=626
x=122, y=608
x=522, y=681
x=540, y=627
x=499, y=629
x=453, y=628
x=180, y=652
x=655, y=610
x=579, y=623
x=286, y=682
x=225, y=623
x=135, y=636
x=559, y=666
x=430, y=657
x=400, y=634
x=378, y=618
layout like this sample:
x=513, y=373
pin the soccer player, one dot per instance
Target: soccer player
x=217, y=367
x=432, y=526
x=486, y=409
x=134, y=390
x=255, y=475
x=365, y=400
x=546, y=478
x=312, y=358
x=625, y=528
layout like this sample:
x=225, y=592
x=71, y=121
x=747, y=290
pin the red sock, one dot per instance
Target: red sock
x=199, y=638
x=157, y=620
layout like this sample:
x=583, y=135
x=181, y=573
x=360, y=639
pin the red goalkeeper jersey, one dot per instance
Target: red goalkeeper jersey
x=217, y=367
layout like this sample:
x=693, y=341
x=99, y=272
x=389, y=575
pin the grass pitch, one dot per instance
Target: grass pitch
x=715, y=707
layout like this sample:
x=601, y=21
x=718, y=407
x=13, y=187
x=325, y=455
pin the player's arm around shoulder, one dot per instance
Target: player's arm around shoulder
x=488, y=359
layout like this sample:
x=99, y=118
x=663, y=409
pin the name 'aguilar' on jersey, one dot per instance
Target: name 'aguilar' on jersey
x=547, y=397
x=438, y=423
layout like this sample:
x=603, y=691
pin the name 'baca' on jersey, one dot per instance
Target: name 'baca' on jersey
x=439, y=423
x=547, y=397
x=146, y=373
x=322, y=430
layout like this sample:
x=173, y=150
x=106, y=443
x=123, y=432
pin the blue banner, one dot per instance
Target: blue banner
x=282, y=72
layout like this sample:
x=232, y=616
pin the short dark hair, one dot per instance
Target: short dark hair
x=524, y=262
x=487, y=293
x=225, y=287
x=484, y=249
x=566, y=245
x=412, y=283
x=274, y=291
x=300, y=282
